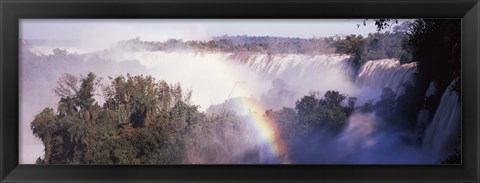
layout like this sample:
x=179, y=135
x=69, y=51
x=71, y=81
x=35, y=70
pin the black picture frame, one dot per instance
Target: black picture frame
x=13, y=10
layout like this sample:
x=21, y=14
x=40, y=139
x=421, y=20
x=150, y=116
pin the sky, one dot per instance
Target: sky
x=110, y=31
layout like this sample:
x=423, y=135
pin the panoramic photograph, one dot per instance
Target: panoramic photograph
x=240, y=91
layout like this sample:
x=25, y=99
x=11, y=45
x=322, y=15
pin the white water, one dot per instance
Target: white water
x=276, y=80
x=423, y=118
x=443, y=133
x=292, y=76
x=273, y=80
x=379, y=74
x=292, y=66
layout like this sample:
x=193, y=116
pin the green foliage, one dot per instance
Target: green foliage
x=287, y=120
x=436, y=43
x=386, y=45
x=381, y=24
x=262, y=44
x=350, y=105
x=373, y=47
x=351, y=44
x=385, y=108
x=366, y=107
x=43, y=123
x=147, y=122
x=315, y=113
x=141, y=122
x=215, y=138
x=42, y=126
x=85, y=93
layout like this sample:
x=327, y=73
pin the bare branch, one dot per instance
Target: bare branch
x=68, y=86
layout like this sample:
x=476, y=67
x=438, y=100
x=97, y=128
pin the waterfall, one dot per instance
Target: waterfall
x=275, y=80
x=379, y=74
x=238, y=81
x=291, y=65
x=299, y=74
x=443, y=133
x=292, y=76
x=424, y=115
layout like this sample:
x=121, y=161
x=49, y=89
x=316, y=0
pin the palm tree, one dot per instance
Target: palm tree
x=66, y=107
x=78, y=133
x=85, y=94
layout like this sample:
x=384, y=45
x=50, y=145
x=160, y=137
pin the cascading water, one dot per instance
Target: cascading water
x=291, y=65
x=443, y=133
x=276, y=80
x=424, y=115
x=379, y=74
x=273, y=81
x=297, y=73
x=294, y=75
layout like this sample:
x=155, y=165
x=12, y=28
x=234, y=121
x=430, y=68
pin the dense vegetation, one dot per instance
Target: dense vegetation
x=145, y=121
x=435, y=44
x=374, y=46
x=444, y=57
x=141, y=122
x=259, y=44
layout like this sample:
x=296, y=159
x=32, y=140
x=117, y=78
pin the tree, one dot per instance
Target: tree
x=381, y=23
x=85, y=94
x=78, y=133
x=67, y=107
x=164, y=96
x=331, y=110
x=67, y=90
x=43, y=126
x=287, y=119
x=67, y=86
x=333, y=98
x=308, y=117
x=316, y=114
x=143, y=94
x=350, y=105
x=352, y=44
x=307, y=105
x=388, y=97
x=386, y=106
x=142, y=121
x=435, y=43
x=76, y=97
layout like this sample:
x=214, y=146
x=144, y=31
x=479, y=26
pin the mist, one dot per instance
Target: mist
x=222, y=82
x=366, y=140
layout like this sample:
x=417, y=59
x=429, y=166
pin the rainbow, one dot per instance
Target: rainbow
x=265, y=127
x=268, y=130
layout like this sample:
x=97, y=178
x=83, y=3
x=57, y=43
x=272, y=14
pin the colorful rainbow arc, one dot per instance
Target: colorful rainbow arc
x=264, y=126
x=268, y=130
